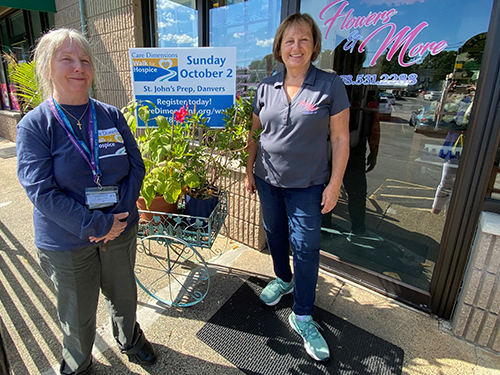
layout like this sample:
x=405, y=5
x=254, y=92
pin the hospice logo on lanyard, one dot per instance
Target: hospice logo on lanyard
x=99, y=197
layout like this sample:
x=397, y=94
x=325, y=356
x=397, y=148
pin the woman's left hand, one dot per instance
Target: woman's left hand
x=329, y=199
x=339, y=137
x=119, y=225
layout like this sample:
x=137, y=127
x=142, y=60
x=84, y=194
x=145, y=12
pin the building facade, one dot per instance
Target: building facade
x=422, y=77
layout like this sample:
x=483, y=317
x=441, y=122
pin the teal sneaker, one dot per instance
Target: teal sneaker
x=273, y=292
x=367, y=240
x=314, y=343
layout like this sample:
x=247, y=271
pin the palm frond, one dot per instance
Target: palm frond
x=22, y=76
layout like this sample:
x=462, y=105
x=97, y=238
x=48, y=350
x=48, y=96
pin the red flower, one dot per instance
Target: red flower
x=180, y=114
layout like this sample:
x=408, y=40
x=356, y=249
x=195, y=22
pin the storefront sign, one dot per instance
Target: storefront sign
x=383, y=80
x=171, y=78
x=395, y=41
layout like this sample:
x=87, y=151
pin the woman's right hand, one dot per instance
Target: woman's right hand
x=250, y=183
x=119, y=225
x=252, y=146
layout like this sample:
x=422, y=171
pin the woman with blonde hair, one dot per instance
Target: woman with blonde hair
x=80, y=167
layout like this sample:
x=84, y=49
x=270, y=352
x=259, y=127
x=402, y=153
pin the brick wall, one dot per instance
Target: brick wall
x=244, y=220
x=477, y=313
x=113, y=26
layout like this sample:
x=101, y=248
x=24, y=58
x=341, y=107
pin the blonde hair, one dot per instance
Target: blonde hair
x=292, y=20
x=48, y=45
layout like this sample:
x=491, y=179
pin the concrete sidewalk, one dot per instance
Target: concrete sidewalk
x=32, y=335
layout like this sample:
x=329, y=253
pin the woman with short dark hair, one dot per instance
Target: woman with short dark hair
x=297, y=110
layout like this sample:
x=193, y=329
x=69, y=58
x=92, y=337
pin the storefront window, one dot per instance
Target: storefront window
x=247, y=25
x=410, y=69
x=177, y=23
x=250, y=27
x=36, y=24
x=493, y=190
x=19, y=31
x=17, y=24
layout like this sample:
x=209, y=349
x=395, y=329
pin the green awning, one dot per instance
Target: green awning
x=40, y=5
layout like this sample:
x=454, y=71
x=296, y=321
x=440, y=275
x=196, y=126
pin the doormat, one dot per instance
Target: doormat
x=258, y=340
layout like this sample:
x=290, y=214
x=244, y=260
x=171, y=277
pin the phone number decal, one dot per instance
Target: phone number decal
x=385, y=79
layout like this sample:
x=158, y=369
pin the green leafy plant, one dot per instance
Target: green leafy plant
x=184, y=155
x=22, y=75
x=165, y=148
x=238, y=121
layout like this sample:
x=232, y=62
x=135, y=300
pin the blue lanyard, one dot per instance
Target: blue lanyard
x=80, y=146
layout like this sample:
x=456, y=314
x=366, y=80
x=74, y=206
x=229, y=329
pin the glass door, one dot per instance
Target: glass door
x=249, y=26
x=410, y=70
x=176, y=23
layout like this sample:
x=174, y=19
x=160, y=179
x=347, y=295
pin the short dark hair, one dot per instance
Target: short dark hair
x=295, y=19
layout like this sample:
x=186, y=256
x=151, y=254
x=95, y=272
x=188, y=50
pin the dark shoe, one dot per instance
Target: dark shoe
x=63, y=366
x=146, y=356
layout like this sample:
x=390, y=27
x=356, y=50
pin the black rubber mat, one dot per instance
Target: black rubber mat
x=258, y=340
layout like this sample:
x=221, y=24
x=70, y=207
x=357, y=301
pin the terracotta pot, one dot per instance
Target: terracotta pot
x=158, y=205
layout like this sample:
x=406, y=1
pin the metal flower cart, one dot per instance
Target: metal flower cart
x=168, y=266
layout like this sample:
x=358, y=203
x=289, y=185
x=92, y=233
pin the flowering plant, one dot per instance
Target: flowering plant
x=166, y=148
x=184, y=155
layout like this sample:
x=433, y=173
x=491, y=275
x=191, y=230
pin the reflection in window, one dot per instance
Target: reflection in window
x=250, y=27
x=19, y=31
x=493, y=190
x=177, y=23
x=410, y=69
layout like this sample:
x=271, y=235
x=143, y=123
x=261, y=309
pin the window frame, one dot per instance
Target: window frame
x=149, y=20
x=476, y=166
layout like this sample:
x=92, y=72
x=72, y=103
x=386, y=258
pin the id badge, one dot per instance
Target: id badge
x=101, y=198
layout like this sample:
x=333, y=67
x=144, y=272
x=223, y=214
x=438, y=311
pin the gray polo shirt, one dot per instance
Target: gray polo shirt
x=293, y=145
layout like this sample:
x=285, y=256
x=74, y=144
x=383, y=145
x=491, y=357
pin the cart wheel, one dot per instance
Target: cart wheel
x=171, y=270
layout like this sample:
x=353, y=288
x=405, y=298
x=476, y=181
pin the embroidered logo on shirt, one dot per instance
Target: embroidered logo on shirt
x=111, y=143
x=308, y=108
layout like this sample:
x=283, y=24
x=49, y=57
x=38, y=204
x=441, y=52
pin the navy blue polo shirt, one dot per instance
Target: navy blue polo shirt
x=293, y=146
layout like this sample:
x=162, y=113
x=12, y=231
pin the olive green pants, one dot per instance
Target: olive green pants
x=78, y=275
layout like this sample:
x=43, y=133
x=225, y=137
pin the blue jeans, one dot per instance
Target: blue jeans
x=292, y=218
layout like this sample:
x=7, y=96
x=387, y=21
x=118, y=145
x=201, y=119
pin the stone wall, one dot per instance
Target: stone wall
x=477, y=313
x=8, y=123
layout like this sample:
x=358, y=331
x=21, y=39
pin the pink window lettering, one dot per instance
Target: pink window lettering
x=402, y=40
x=394, y=41
x=351, y=21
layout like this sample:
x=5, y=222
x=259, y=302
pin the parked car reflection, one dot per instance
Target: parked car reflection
x=432, y=95
x=384, y=109
x=424, y=120
x=423, y=117
x=390, y=97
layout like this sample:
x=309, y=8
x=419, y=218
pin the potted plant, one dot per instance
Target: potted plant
x=166, y=150
x=222, y=149
x=184, y=157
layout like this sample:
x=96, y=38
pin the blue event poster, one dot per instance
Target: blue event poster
x=203, y=78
